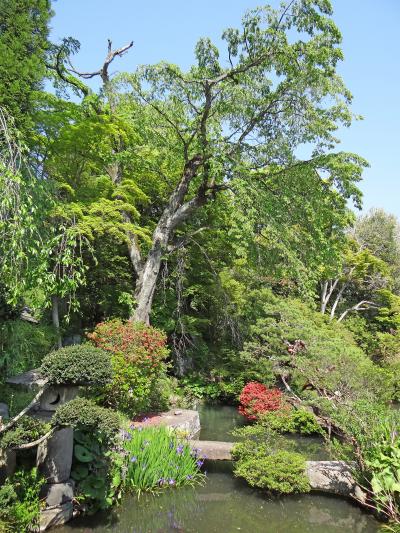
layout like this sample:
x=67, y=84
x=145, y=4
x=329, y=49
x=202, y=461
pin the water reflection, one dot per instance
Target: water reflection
x=225, y=504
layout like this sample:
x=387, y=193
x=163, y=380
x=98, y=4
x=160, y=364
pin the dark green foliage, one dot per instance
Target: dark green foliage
x=15, y=397
x=23, y=47
x=26, y=430
x=19, y=502
x=95, y=470
x=282, y=472
x=82, y=413
x=23, y=345
x=79, y=365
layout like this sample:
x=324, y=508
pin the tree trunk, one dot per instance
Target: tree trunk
x=55, y=316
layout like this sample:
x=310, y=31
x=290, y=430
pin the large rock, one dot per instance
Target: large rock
x=213, y=450
x=55, y=516
x=335, y=477
x=7, y=464
x=54, y=456
x=183, y=420
x=4, y=413
x=57, y=493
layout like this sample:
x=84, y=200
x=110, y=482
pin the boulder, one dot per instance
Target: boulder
x=57, y=494
x=4, y=413
x=335, y=477
x=54, y=456
x=8, y=460
x=55, y=516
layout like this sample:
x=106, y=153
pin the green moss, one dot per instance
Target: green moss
x=84, y=413
x=78, y=364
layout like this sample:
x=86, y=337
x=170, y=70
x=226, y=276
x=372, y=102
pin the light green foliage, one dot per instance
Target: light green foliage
x=291, y=420
x=155, y=458
x=23, y=346
x=19, y=502
x=83, y=413
x=26, y=430
x=282, y=472
x=81, y=364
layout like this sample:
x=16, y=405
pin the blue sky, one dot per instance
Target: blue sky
x=168, y=30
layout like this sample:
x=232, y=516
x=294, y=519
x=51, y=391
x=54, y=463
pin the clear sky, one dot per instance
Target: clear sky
x=168, y=30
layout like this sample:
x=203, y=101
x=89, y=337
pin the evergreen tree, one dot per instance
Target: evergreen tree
x=24, y=28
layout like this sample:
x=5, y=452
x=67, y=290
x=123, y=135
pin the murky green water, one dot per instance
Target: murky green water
x=226, y=505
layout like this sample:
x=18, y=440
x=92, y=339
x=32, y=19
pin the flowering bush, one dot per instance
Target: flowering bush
x=138, y=360
x=155, y=458
x=256, y=399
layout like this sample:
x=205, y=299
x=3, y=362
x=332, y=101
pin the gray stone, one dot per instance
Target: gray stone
x=57, y=395
x=55, y=516
x=8, y=460
x=213, y=450
x=57, y=493
x=182, y=420
x=28, y=380
x=335, y=477
x=4, y=413
x=54, y=456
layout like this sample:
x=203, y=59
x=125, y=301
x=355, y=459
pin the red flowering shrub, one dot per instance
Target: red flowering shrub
x=256, y=399
x=138, y=359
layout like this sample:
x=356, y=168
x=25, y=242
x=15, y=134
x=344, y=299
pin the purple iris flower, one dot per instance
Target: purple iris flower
x=133, y=459
x=179, y=449
x=171, y=481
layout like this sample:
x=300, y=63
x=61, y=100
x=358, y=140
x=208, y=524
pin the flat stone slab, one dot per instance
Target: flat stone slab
x=213, y=450
x=185, y=420
x=333, y=477
x=29, y=379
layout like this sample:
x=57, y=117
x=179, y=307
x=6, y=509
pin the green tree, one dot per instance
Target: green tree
x=229, y=130
x=24, y=28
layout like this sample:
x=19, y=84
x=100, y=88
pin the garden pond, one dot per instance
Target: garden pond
x=226, y=504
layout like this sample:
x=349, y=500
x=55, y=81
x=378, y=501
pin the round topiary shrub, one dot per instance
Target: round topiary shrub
x=82, y=413
x=81, y=364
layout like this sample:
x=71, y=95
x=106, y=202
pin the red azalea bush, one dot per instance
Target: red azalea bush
x=138, y=358
x=256, y=399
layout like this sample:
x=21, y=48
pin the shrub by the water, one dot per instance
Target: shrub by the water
x=78, y=364
x=155, y=458
x=256, y=399
x=84, y=413
x=282, y=472
x=291, y=421
x=138, y=355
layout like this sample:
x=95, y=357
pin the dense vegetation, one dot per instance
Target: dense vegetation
x=178, y=199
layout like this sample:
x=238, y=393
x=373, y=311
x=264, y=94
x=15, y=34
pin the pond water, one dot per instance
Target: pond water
x=225, y=504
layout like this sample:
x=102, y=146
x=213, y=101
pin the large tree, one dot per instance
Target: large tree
x=230, y=127
x=24, y=28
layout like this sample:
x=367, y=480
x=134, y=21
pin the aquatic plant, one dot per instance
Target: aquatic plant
x=155, y=458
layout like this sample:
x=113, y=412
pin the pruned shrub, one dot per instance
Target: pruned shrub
x=138, y=361
x=291, y=421
x=256, y=399
x=81, y=364
x=84, y=413
x=282, y=472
